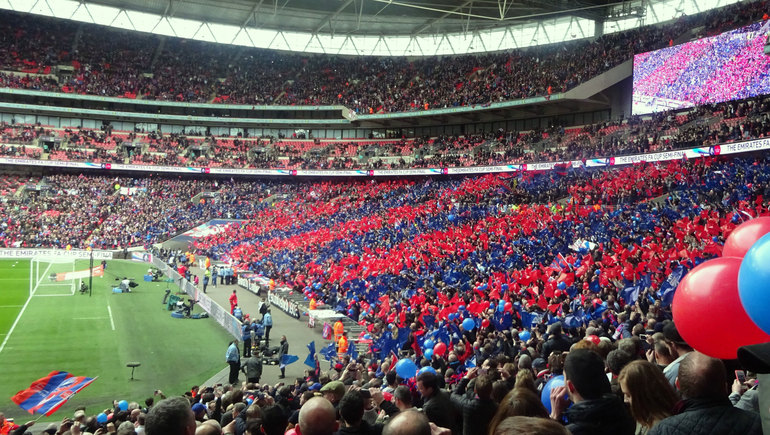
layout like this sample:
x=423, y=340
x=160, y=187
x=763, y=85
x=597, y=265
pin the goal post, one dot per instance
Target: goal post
x=52, y=276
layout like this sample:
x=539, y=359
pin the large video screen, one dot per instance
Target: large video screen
x=725, y=67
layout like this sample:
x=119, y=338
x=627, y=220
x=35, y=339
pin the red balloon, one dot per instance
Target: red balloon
x=485, y=323
x=745, y=235
x=439, y=349
x=508, y=307
x=708, y=312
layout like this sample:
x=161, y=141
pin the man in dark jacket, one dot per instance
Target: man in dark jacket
x=596, y=410
x=281, y=352
x=477, y=411
x=705, y=408
x=556, y=342
x=436, y=403
x=253, y=367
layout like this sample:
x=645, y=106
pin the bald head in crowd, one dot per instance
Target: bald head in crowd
x=209, y=427
x=408, y=422
x=702, y=377
x=317, y=417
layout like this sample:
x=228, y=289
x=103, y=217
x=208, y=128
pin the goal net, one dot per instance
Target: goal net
x=58, y=276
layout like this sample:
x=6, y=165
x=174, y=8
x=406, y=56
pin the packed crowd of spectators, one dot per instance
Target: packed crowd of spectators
x=729, y=66
x=703, y=126
x=579, y=289
x=112, y=62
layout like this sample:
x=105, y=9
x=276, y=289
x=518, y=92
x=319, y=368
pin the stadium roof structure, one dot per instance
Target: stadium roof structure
x=373, y=27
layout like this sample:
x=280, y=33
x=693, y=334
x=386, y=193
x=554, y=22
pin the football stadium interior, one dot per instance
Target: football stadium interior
x=515, y=216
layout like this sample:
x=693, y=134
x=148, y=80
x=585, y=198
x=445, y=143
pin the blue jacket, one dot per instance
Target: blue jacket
x=267, y=319
x=232, y=354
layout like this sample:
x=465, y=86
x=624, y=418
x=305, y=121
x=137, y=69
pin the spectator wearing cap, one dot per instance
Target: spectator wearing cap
x=595, y=409
x=252, y=368
x=199, y=410
x=678, y=348
x=556, y=341
x=705, y=408
x=333, y=392
x=436, y=404
x=477, y=411
x=351, y=410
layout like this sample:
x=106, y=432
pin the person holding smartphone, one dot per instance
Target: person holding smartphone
x=744, y=393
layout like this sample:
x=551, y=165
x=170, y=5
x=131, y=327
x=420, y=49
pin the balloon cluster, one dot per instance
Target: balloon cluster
x=723, y=304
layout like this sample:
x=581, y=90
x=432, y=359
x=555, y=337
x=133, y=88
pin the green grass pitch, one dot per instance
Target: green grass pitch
x=59, y=330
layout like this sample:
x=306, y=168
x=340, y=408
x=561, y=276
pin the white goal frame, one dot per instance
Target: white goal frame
x=39, y=275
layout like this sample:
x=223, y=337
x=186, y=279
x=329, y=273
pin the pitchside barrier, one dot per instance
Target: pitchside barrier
x=215, y=311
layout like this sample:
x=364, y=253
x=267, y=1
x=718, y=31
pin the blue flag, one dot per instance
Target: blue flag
x=631, y=294
x=329, y=352
x=470, y=362
x=310, y=360
x=289, y=359
x=352, y=351
x=668, y=288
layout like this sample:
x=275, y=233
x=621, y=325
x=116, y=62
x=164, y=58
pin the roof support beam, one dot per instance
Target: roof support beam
x=433, y=21
x=252, y=12
x=328, y=19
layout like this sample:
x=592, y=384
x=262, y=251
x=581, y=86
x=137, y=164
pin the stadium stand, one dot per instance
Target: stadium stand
x=563, y=272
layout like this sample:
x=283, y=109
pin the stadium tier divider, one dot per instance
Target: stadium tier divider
x=214, y=310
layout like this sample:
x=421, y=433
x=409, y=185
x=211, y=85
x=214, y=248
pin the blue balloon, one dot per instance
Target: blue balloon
x=469, y=324
x=754, y=283
x=123, y=405
x=562, y=285
x=500, y=308
x=525, y=335
x=427, y=369
x=451, y=316
x=428, y=344
x=461, y=308
x=428, y=353
x=406, y=368
x=491, y=305
x=101, y=418
x=504, y=287
x=545, y=395
x=598, y=272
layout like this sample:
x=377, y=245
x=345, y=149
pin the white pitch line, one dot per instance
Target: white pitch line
x=112, y=322
x=15, y=322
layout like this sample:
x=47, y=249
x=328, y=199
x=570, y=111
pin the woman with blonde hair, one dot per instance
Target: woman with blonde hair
x=647, y=393
x=524, y=379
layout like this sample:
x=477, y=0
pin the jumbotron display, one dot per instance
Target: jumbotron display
x=729, y=66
